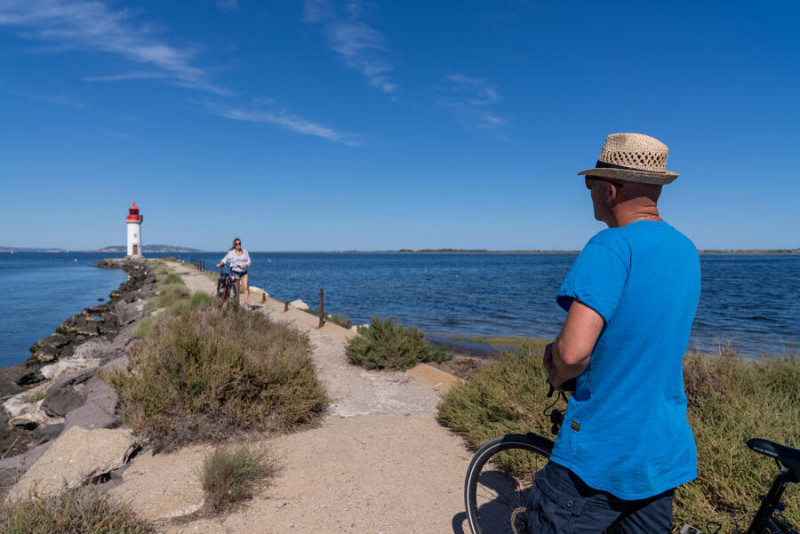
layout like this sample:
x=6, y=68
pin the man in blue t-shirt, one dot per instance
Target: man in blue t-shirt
x=630, y=299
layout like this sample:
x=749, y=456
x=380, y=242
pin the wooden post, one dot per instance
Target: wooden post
x=321, y=308
x=286, y=306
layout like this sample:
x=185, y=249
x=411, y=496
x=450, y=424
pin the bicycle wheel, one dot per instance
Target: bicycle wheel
x=499, y=479
x=227, y=291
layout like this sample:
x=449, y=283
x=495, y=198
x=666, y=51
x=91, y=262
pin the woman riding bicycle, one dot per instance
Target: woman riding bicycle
x=238, y=260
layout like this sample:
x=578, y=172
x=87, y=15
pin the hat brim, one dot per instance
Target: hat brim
x=625, y=175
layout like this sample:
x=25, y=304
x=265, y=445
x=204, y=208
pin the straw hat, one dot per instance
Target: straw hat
x=633, y=157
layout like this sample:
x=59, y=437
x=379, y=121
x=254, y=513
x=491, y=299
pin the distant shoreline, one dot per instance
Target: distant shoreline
x=177, y=250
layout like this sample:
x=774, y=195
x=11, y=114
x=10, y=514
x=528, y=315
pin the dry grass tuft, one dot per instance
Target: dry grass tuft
x=73, y=511
x=232, y=473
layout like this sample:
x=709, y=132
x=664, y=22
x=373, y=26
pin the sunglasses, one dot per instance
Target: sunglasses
x=590, y=180
x=237, y=243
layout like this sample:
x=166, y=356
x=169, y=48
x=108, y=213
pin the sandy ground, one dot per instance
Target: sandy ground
x=379, y=462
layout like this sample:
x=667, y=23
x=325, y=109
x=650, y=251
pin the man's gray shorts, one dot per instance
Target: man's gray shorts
x=560, y=503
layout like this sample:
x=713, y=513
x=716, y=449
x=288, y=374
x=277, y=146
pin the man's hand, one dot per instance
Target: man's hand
x=547, y=358
x=553, y=377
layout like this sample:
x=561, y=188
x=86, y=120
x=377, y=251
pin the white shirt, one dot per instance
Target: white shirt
x=237, y=263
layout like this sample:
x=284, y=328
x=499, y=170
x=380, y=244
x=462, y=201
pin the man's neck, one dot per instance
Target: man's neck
x=623, y=217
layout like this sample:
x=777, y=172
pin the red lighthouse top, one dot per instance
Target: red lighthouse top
x=133, y=214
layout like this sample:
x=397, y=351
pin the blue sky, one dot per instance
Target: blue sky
x=325, y=125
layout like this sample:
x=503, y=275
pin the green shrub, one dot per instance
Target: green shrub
x=74, y=511
x=61, y=330
x=507, y=396
x=730, y=401
x=231, y=473
x=200, y=299
x=388, y=344
x=36, y=397
x=173, y=278
x=342, y=320
x=144, y=328
x=204, y=373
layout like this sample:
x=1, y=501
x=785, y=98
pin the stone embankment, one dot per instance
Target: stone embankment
x=55, y=393
x=379, y=462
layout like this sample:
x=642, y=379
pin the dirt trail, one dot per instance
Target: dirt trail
x=379, y=462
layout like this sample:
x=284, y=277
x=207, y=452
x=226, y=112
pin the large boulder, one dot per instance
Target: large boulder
x=66, y=394
x=128, y=313
x=98, y=410
x=87, y=355
x=75, y=459
x=62, y=400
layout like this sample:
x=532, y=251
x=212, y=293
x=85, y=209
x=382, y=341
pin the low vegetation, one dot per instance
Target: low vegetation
x=342, y=320
x=168, y=295
x=232, y=473
x=173, y=278
x=730, y=400
x=204, y=369
x=73, y=511
x=36, y=397
x=387, y=344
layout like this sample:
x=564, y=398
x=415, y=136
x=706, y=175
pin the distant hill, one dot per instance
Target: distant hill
x=148, y=248
x=25, y=249
x=108, y=250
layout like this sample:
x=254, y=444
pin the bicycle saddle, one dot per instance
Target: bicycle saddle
x=788, y=456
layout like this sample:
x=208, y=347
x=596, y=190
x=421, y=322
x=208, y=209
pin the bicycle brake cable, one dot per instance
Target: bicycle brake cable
x=549, y=408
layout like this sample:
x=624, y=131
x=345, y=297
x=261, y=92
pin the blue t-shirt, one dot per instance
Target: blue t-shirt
x=625, y=429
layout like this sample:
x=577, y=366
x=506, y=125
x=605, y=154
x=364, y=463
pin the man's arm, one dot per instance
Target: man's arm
x=568, y=355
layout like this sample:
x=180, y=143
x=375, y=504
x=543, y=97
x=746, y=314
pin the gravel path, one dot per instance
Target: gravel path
x=378, y=463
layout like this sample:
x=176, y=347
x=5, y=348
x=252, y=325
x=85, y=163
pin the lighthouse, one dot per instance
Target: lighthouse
x=134, y=221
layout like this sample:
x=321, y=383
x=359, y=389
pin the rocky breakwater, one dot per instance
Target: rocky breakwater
x=56, y=393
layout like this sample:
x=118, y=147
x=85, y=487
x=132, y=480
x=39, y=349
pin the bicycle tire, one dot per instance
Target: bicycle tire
x=499, y=479
x=232, y=291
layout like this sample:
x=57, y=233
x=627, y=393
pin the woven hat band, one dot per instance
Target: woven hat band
x=604, y=165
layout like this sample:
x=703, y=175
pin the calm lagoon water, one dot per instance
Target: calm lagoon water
x=750, y=301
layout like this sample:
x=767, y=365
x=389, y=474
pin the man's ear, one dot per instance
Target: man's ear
x=612, y=192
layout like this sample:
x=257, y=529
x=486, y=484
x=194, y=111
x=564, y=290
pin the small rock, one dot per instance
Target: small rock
x=33, y=377
x=299, y=304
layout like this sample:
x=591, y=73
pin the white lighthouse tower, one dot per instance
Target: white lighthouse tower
x=134, y=221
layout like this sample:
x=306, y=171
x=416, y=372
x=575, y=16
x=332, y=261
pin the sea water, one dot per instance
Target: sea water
x=38, y=292
x=748, y=300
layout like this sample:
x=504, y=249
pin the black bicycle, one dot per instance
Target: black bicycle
x=502, y=472
x=227, y=285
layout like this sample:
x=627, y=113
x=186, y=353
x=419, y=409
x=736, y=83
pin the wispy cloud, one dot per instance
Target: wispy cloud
x=58, y=99
x=472, y=101
x=362, y=47
x=125, y=77
x=92, y=25
x=116, y=135
x=228, y=5
x=286, y=120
